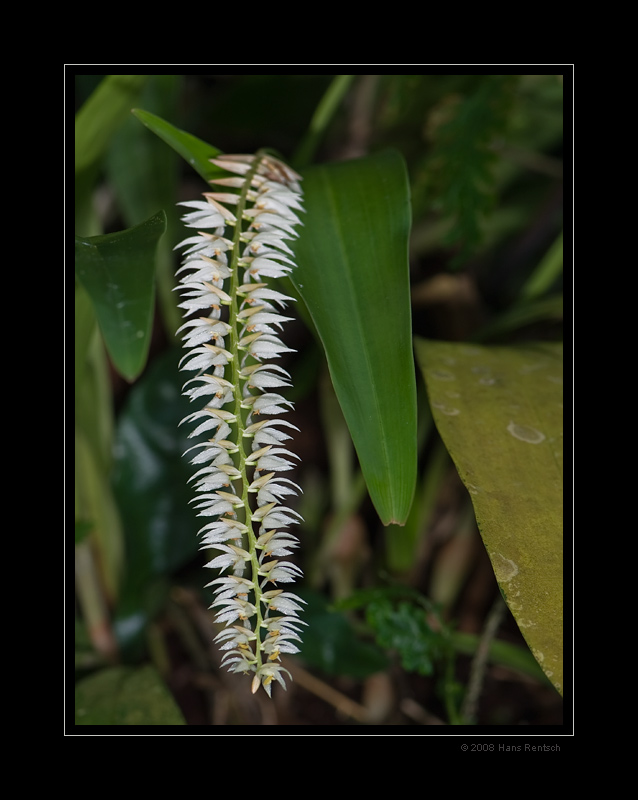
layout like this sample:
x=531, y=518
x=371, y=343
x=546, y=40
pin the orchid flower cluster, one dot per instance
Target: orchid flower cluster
x=231, y=332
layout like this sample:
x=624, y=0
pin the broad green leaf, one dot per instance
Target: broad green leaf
x=352, y=274
x=123, y=696
x=150, y=485
x=150, y=475
x=499, y=413
x=117, y=270
x=193, y=150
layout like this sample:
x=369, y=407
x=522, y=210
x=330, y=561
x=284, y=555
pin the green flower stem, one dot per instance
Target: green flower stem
x=240, y=413
x=262, y=217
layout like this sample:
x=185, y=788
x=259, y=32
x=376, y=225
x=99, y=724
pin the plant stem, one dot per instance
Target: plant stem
x=321, y=119
x=479, y=663
x=238, y=382
x=93, y=603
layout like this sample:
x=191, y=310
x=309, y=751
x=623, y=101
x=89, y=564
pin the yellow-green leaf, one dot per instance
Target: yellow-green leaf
x=125, y=696
x=499, y=413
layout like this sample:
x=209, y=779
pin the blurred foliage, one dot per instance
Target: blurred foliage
x=124, y=696
x=333, y=644
x=405, y=629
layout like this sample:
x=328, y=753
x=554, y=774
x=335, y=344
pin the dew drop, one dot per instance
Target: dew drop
x=442, y=375
x=525, y=433
x=504, y=568
x=451, y=412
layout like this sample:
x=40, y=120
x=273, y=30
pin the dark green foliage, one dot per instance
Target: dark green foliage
x=405, y=628
x=406, y=622
x=331, y=644
x=460, y=167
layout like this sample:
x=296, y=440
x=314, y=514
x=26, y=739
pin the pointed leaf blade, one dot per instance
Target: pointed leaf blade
x=353, y=277
x=194, y=151
x=117, y=270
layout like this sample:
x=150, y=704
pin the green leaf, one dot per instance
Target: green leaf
x=96, y=506
x=521, y=314
x=499, y=413
x=82, y=530
x=102, y=115
x=150, y=475
x=546, y=273
x=95, y=125
x=404, y=627
x=193, y=150
x=321, y=119
x=117, y=270
x=144, y=174
x=122, y=696
x=150, y=485
x=352, y=274
x=385, y=597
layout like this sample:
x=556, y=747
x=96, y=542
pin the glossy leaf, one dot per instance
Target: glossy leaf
x=150, y=485
x=117, y=270
x=352, y=274
x=499, y=413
